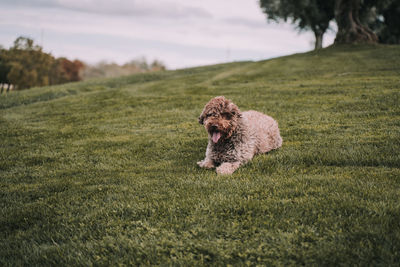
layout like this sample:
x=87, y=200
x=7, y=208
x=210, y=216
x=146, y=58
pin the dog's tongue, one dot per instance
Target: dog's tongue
x=215, y=136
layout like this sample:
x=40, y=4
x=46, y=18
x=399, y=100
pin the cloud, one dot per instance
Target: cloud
x=181, y=33
x=161, y=9
x=245, y=22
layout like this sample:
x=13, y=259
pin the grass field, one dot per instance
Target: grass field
x=104, y=172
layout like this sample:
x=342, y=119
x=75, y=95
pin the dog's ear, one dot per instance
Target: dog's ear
x=201, y=119
x=202, y=116
x=233, y=110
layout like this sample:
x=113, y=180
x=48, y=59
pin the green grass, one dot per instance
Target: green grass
x=104, y=172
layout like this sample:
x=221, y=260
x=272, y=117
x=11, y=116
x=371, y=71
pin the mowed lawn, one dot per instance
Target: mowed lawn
x=104, y=172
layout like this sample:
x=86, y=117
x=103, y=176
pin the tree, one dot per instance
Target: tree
x=391, y=32
x=4, y=69
x=383, y=17
x=350, y=28
x=312, y=15
x=25, y=65
x=358, y=21
x=29, y=65
x=157, y=65
x=20, y=77
x=57, y=73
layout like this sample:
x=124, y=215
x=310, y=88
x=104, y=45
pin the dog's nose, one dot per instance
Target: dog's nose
x=214, y=127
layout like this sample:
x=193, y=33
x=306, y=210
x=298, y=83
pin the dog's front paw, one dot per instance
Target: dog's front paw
x=206, y=164
x=227, y=168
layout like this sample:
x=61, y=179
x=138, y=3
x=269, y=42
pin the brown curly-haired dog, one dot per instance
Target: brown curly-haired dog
x=234, y=137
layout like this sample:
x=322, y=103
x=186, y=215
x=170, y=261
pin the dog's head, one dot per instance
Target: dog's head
x=220, y=118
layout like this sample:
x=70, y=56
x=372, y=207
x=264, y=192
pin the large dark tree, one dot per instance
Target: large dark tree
x=312, y=15
x=391, y=31
x=358, y=21
x=383, y=17
x=350, y=28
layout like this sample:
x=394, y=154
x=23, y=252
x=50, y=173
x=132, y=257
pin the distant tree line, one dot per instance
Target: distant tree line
x=358, y=21
x=106, y=69
x=25, y=65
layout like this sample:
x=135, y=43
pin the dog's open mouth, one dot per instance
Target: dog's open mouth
x=215, y=137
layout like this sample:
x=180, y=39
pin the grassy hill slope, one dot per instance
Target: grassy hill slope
x=104, y=172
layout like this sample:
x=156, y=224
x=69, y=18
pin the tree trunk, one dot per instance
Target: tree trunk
x=350, y=29
x=318, y=40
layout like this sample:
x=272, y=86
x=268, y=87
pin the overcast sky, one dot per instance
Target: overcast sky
x=181, y=33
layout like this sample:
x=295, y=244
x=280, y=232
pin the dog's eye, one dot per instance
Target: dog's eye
x=227, y=115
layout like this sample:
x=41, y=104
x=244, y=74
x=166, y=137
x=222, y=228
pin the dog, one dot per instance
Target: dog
x=234, y=137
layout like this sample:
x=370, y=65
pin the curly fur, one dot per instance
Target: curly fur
x=234, y=137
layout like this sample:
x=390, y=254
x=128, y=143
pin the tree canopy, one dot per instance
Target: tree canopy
x=358, y=21
x=25, y=65
x=312, y=15
x=384, y=20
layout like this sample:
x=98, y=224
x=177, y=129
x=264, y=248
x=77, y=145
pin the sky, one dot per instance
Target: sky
x=180, y=33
